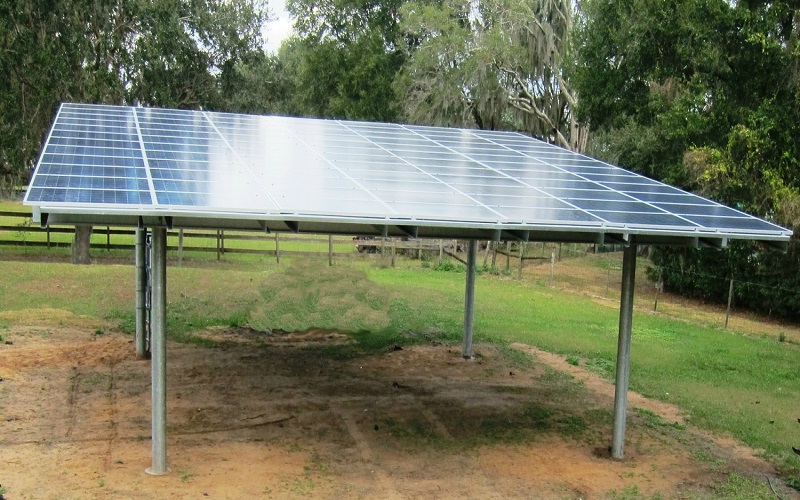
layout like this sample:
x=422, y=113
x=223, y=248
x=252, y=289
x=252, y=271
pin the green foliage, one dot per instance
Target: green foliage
x=491, y=65
x=343, y=59
x=705, y=95
x=764, y=281
x=160, y=53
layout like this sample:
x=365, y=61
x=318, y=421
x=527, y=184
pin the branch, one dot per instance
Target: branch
x=528, y=105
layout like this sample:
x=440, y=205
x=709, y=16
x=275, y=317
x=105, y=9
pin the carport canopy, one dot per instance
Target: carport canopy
x=163, y=168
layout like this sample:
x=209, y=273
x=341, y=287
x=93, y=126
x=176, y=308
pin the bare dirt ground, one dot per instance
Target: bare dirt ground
x=288, y=416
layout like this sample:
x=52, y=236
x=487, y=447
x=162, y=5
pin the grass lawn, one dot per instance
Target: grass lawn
x=743, y=385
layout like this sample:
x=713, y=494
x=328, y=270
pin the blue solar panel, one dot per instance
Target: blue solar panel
x=134, y=160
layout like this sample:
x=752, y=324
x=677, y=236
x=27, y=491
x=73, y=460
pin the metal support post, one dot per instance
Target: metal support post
x=469, y=298
x=141, y=292
x=330, y=250
x=624, y=349
x=158, y=349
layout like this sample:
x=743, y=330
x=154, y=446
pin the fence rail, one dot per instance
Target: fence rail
x=27, y=235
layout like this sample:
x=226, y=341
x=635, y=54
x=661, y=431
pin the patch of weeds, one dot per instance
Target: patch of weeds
x=793, y=482
x=782, y=337
x=99, y=331
x=303, y=486
x=556, y=376
x=651, y=419
x=598, y=416
x=573, y=360
x=738, y=487
x=414, y=433
x=101, y=484
x=126, y=321
x=520, y=359
x=486, y=269
x=602, y=366
x=294, y=448
x=571, y=426
x=654, y=420
x=704, y=456
x=627, y=493
x=425, y=264
x=184, y=474
x=448, y=266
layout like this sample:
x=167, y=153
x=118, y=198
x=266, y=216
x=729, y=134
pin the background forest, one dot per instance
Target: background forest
x=702, y=94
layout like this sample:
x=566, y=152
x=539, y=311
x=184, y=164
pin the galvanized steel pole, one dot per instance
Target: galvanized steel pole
x=624, y=349
x=141, y=291
x=158, y=350
x=469, y=298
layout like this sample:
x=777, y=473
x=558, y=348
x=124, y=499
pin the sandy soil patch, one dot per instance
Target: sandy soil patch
x=289, y=416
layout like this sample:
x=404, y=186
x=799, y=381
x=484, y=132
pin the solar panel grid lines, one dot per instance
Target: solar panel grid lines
x=319, y=155
x=590, y=216
x=642, y=181
x=239, y=158
x=150, y=184
x=207, y=164
x=455, y=190
x=611, y=215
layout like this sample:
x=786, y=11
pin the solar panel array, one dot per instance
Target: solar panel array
x=125, y=159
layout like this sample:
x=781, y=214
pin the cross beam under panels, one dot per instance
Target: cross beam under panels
x=370, y=228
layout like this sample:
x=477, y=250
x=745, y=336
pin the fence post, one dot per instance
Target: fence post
x=521, y=253
x=48, y=236
x=730, y=299
x=394, y=250
x=108, y=238
x=659, y=289
x=330, y=250
x=218, y=243
x=441, y=251
x=419, y=249
x=277, y=249
x=494, y=255
x=508, y=256
x=222, y=241
x=180, y=247
x=552, y=267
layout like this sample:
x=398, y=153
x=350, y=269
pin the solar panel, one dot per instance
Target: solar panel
x=216, y=167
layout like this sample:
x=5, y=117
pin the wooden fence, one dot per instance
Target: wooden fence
x=24, y=234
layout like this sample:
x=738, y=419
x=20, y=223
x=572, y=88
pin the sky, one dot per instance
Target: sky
x=279, y=28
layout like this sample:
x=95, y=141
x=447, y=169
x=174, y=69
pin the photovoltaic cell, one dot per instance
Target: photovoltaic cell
x=127, y=159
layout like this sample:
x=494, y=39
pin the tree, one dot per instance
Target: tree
x=344, y=58
x=176, y=53
x=706, y=95
x=492, y=64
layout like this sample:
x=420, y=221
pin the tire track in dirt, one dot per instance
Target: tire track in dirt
x=434, y=421
x=113, y=424
x=72, y=400
x=366, y=453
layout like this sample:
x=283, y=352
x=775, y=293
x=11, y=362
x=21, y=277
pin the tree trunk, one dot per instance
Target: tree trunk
x=80, y=245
